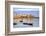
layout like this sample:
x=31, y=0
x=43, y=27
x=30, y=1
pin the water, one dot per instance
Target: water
x=35, y=23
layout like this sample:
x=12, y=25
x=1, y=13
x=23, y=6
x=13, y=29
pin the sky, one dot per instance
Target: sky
x=32, y=11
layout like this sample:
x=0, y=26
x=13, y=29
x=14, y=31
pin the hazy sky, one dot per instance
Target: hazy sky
x=32, y=11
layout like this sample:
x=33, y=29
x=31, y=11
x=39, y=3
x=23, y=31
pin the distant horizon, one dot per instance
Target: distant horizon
x=33, y=12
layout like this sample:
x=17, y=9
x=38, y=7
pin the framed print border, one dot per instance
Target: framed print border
x=7, y=17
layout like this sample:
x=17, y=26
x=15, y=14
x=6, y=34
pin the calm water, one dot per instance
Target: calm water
x=35, y=23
